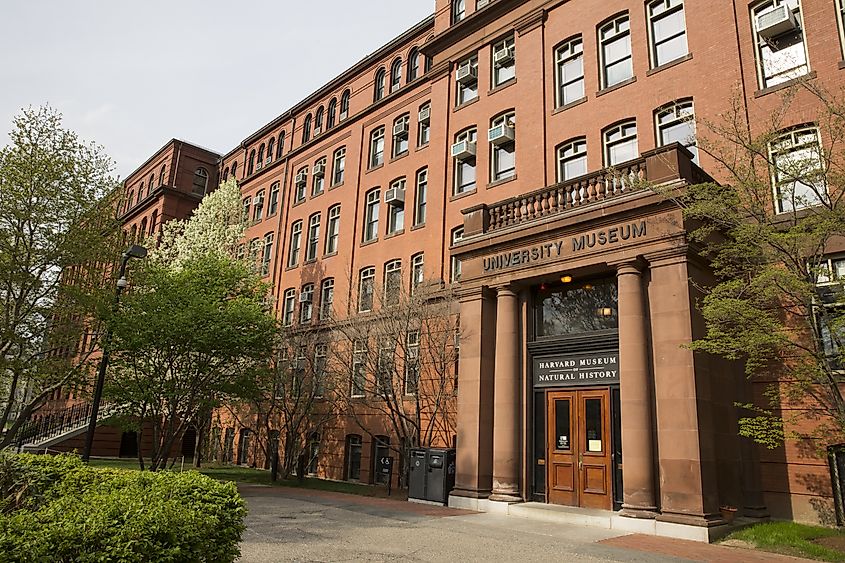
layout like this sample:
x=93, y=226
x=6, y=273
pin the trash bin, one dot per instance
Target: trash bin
x=417, y=475
x=836, y=462
x=440, y=474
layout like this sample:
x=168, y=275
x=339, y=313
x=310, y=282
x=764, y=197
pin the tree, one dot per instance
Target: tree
x=769, y=233
x=183, y=339
x=399, y=363
x=58, y=239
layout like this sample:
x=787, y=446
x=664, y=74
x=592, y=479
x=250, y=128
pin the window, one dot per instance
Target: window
x=289, y=305
x=321, y=353
x=251, y=167
x=417, y=269
x=313, y=237
x=366, y=287
x=576, y=308
x=503, y=146
x=318, y=121
x=378, y=86
x=569, y=60
x=258, y=206
x=620, y=143
x=401, y=134
x=392, y=282
x=280, y=148
x=413, y=65
x=420, y=197
x=260, y=156
x=385, y=364
x=424, y=125
x=332, y=229
x=319, y=175
x=464, y=151
x=306, y=303
x=504, y=61
x=140, y=193
x=245, y=209
x=377, y=147
x=152, y=179
x=274, y=199
x=676, y=122
x=270, y=145
x=840, y=16
x=457, y=236
x=371, y=215
x=265, y=257
x=458, y=10
x=667, y=31
x=572, y=159
x=326, y=298
x=615, y=52
x=295, y=243
x=359, y=372
x=331, y=114
x=306, y=129
x=780, y=50
x=338, y=166
x=235, y=170
x=412, y=362
x=300, y=181
x=396, y=208
x=344, y=105
x=142, y=231
x=395, y=75
x=161, y=176
x=797, y=170
x=153, y=222
x=830, y=309
x=466, y=76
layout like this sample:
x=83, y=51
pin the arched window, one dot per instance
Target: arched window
x=353, y=457
x=413, y=64
x=200, y=181
x=378, y=87
x=313, y=451
x=141, y=189
x=153, y=222
x=395, y=75
x=280, y=148
x=130, y=199
x=133, y=232
x=306, y=129
x=260, y=156
x=502, y=135
x=251, y=166
x=344, y=105
x=332, y=113
x=142, y=232
x=620, y=143
x=150, y=183
x=572, y=159
x=226, y=174
x=270, y=144
x=235, y=170
x=161, y=176
x=318, y=121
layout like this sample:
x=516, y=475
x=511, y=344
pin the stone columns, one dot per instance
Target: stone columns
x=635, y=395
x=473, y=478
x=506, y=421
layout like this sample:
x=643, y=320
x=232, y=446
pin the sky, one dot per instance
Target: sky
x=131, y=75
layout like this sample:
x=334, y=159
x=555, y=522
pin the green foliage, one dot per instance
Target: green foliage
x=89, y=514
x=790, y=538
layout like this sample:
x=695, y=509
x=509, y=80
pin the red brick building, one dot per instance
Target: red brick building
x=473, y=148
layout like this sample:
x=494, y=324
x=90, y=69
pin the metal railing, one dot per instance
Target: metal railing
x=57, y=423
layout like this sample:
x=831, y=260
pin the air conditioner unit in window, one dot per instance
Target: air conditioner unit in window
x=259, y=165
x=301, y=177
x=394, y=196
x=776, y=22
x=503, y=56
x=463, y=150
x=257, y=200
x=401, y=128
x=481, y=3
x=500, y=134
x=317, y=131
x=425, y=115
x=319, y=170
x=343, y=115
x=305, y=297
x=466, y=73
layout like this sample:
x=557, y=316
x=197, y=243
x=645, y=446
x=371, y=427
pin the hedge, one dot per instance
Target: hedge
x=58, y=509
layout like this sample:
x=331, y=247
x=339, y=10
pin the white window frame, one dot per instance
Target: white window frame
x=332, y=230
x=371, y=215
x=617, y=29
x=295, y=243
x=624, y=129
x=794, y=141
x=569, y=152
x=668, y=9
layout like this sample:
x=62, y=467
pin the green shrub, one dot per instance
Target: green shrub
x=89, y=514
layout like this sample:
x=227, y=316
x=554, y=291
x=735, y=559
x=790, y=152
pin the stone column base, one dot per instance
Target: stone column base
x=644, y=512
x=470, y=493
x=703, y=520
x=505, y=497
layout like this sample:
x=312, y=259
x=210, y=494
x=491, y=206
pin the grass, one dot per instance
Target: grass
x=251, y=476
x=790, y=538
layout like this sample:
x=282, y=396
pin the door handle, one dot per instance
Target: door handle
x=580, y=461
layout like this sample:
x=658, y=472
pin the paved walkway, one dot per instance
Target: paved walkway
x=286, y=524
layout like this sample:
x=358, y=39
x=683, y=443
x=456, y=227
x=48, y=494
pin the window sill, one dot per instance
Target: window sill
x=421, y=147
x=333, y=186
x=289, y=268
x=420, y=226
x=467, y=193
x=501, y=181
x=310, y=261
x=465, y=104
x=318, y=194
x=784, y=85
x=670, y=64
x=841, y=65
x=399, y=156
x=369, y=242
x=616, y=86
x=570, y=105
x=396, y=234
x=502, y=86
x=375, y=167
x=330, y=254
x=298, y=202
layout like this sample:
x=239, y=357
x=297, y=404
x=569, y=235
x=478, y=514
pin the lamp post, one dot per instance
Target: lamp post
x=134, y=251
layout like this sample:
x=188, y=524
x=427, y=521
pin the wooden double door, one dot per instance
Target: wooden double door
x=578, y=451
